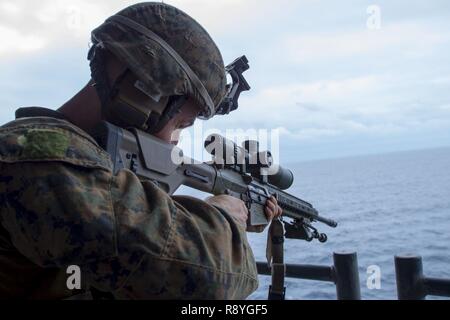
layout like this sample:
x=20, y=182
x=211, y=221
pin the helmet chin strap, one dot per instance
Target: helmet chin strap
x=173, y=107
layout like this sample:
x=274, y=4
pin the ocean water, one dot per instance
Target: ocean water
x=385, y=205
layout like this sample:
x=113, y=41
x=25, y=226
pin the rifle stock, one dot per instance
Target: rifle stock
x=153, y=159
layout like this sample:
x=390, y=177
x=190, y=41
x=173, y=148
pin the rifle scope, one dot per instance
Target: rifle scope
x=248, y=159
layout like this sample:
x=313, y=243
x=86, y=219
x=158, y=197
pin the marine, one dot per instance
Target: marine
x=154, y=68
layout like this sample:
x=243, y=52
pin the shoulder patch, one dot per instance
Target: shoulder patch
x=44, y=143
x=41, y=142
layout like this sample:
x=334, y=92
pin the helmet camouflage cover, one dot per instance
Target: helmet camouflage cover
x=198, y=72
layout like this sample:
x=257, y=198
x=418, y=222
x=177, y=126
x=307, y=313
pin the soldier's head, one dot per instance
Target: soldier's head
x=155, y=68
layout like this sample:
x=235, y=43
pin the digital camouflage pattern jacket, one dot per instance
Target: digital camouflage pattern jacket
x=61, y=205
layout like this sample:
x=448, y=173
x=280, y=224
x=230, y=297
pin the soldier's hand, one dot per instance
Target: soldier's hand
x=272, y=211
x=233, y=206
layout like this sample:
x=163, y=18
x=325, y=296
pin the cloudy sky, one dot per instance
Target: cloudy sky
x=336, y=78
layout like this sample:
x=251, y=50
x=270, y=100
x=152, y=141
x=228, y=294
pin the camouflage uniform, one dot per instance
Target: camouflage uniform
x=61, y=205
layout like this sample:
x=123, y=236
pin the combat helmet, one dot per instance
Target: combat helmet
x=169, y=57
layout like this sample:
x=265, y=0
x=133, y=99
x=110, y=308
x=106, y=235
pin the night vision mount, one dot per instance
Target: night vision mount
x=239, y=84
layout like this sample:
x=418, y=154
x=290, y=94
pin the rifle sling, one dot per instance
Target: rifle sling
x=275, y=259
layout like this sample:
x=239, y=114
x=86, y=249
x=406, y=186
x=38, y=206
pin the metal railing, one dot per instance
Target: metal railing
x=343, y=273
x=411, y=283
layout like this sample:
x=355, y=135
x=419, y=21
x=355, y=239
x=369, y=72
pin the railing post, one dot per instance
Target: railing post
x=346, y=276
x=409, y=276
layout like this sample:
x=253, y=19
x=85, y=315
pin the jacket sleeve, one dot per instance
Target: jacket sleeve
x=62, y=206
